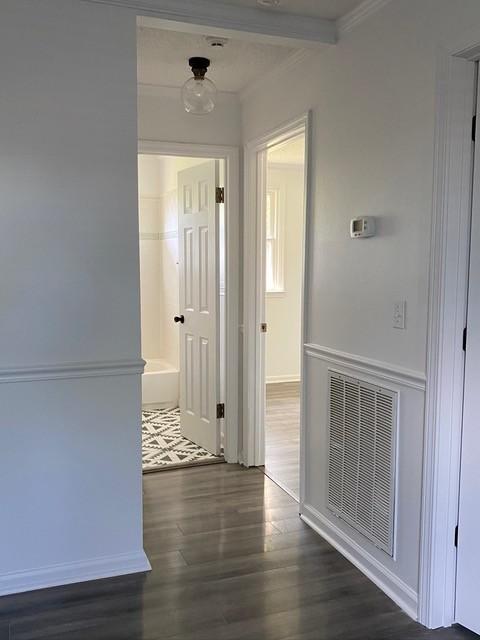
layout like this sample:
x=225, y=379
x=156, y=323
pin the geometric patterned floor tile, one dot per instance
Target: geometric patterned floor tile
x=164, y=447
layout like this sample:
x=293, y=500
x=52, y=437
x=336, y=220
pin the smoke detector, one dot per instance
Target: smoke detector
x=215, y=41
x=268, y=3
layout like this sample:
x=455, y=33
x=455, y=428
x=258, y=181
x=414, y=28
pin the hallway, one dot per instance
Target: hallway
x=231, y=560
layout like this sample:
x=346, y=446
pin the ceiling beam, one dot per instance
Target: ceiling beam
x=217, y=18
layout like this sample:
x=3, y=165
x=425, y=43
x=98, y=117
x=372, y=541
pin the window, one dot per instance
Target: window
x=274, y=255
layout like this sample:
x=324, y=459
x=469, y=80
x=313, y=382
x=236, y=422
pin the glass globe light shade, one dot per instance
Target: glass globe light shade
x=199, y=95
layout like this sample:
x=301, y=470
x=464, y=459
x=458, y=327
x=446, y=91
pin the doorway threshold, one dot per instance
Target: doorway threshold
x=279, y=483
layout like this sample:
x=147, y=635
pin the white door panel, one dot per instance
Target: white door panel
x=468, y=552
x=198, y=219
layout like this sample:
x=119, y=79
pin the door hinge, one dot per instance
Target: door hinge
x=220, y=195
x=456, y=536
x=263, y=327
x=474, y=128
x=220, y=411
x=464, y=339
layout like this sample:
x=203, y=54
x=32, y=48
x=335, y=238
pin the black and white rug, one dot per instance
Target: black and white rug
x=164, y=447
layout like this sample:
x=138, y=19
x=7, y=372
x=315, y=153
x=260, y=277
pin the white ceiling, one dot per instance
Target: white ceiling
x=327, y=9
x=291, y=152
x=163, y=59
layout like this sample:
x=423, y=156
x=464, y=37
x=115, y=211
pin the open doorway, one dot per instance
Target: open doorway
x=182, y=272
x=284, y=230
x=276, y=221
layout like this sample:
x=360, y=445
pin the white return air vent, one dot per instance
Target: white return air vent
x=361, y=471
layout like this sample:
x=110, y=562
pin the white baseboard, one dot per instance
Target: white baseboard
x=388, y=582
x=71, y=572
x=284, y=378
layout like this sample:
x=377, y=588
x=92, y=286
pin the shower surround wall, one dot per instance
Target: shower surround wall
x=158, y=259
x=159, y=277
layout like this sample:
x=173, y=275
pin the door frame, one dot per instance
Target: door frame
x=448, y=280
x=231, y=157
x=253, y=342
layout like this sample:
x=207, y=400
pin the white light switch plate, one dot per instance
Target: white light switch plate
x=399, y=312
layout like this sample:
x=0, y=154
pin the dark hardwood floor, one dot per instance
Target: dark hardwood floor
x=282, y=435
x=231, y=561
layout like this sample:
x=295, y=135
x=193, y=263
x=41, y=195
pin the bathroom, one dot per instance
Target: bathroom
x=163, y=443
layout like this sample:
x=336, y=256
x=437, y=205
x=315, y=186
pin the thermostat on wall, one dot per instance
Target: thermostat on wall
x=362, y=227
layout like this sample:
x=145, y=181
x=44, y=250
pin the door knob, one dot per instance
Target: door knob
x=180, y=319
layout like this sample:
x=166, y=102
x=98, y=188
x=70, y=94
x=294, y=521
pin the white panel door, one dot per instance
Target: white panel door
x=468, y=552
x=198, y=261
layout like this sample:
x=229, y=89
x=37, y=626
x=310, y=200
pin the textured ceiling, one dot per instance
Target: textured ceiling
x=328, y=9
x=291, y=152
x=163, y=59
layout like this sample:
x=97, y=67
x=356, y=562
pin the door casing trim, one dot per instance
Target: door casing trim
x=253, y=352
x=449, y=251
x=231, y=156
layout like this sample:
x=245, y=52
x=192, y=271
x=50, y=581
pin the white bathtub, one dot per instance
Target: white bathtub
x=160, y=383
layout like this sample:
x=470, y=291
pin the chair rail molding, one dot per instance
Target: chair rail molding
x=68, y=370
x=368, y=366
x=227, y=19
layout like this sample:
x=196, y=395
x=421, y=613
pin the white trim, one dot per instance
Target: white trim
x=368, y=366
x=73, y=572
x=254, y=296
x=447, y=317
x=388, y=582
x=292, y=377
x=157, y=147
x=358, y=15
x=228, y=20
x=68, y=370
x=232, y=283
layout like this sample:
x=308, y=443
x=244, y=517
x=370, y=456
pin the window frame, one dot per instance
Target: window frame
x=276, y=288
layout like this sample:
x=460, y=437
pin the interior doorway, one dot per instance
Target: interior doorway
x=182, y=268
x=284, y=231
x=468, y=561
x=276, y=221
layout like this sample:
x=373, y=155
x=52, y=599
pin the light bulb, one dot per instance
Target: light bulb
x=199, y=95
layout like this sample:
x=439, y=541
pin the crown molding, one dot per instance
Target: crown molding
x=228, y=20
x=364, y=10
x=287, y=65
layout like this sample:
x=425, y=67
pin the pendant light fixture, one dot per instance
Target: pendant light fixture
x=199, y=93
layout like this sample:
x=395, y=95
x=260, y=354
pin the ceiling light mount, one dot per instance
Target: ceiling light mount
x=199, y=66
x=199, y=93
x=216, y=42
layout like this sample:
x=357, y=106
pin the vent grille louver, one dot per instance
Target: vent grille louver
x=361, y=473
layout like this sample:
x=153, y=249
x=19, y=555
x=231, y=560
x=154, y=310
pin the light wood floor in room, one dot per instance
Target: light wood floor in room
x=231, y=561
x=282, y=435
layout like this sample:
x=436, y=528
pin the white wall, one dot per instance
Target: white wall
x=283, y=311
x=70, y=472
x=373, y=105
x=161, y=117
